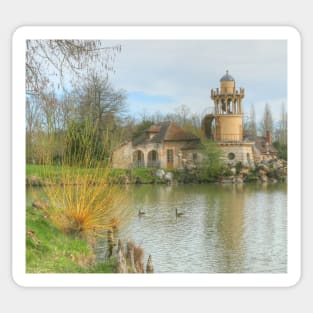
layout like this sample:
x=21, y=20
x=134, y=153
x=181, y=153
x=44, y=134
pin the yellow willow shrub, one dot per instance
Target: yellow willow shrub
x=84, y=201
x=82, y=198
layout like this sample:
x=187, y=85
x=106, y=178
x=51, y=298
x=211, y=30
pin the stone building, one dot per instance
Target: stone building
x=165, y=145
x=224, y=125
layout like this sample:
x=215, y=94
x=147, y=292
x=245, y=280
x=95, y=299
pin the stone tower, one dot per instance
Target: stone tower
x=228, y=110
x=224, y=124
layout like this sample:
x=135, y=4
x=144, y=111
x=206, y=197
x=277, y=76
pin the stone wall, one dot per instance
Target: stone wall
x=242, y=152
x=229, y=127
x=123, y=156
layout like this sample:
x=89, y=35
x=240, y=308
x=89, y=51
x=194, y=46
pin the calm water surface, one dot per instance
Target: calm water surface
x=224, y=229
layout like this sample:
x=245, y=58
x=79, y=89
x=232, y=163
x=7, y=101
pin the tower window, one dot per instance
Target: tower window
x=231, y=156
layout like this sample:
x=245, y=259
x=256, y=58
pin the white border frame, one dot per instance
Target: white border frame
x=157, y=280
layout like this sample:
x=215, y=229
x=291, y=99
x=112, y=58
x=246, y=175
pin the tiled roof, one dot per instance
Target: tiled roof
x=153, y=129
x=166, y=131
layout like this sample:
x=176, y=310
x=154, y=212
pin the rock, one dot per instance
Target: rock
x=265, y=161
x=273, y=180
x=138, y=180
x=238, y=180
x=124, y=179
x=263, y=167
x=33, y=181
x=189, y=165
x=278, y=164
x=233, y=170
x=149, y=267
x=31, y=234
x=230, y=163
x=169, y=177
x=284, y=171
x=40, y=204
x=263, y=178
x=159, y=173
x=226, y=180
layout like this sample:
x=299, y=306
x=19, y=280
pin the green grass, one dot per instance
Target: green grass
x=43, y=173
x=51, y=251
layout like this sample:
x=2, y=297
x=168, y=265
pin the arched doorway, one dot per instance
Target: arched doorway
x=153, y=159
x=138, y=159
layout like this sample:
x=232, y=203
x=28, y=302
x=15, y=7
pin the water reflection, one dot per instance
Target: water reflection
x=224, y=229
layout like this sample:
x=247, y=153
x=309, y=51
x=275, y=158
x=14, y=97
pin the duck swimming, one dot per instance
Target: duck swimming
x=140, y=212
x=178, y=213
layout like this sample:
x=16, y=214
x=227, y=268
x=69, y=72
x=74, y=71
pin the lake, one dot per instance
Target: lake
x=224, y=228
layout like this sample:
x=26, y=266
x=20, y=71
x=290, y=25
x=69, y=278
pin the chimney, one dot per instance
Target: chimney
x=268, y=137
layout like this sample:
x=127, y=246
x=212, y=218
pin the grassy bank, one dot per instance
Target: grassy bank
x=50, y=251
x=39, y=174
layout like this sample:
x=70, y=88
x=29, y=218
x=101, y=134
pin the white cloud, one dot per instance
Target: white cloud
x=187, y=70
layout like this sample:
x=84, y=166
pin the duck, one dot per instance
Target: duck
x=179, y=213
x=140, y=212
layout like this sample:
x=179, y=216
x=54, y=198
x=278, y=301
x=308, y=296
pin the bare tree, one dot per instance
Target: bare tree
x=99, y=100
x=182, y=114
x=53, y=64
x=281, y=132
x=32, y=126
x=250, y=128
x=267, y=121
x=50, y=61
x=103, y=106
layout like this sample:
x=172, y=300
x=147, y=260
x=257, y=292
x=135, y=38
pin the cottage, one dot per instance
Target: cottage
x=165, y=145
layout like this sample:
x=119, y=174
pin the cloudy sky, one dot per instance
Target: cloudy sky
x=160, y=75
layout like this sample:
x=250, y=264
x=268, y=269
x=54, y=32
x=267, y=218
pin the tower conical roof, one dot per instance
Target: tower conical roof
x=227, y=77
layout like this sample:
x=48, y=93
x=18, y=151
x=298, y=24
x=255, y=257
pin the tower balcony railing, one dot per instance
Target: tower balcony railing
x=234, y=92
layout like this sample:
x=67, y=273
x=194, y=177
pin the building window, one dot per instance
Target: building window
x=231, y=156
x=153, y=159
x=138, y=159
x=170, y=158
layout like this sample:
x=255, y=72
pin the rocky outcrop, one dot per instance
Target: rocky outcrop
x=269, y=171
